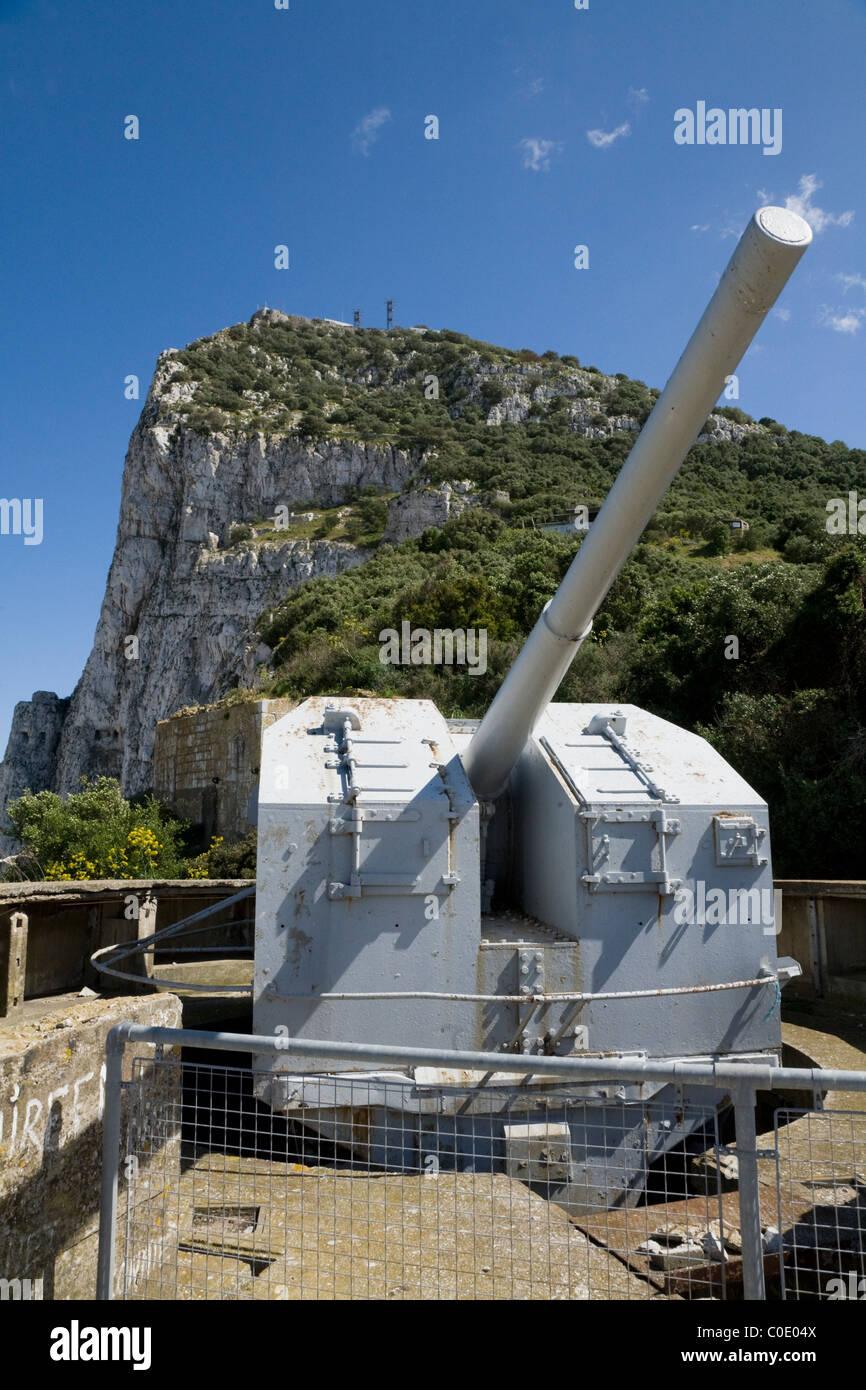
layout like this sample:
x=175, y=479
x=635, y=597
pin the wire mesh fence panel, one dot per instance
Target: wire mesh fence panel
x=376, y=1188
x=821, y=1180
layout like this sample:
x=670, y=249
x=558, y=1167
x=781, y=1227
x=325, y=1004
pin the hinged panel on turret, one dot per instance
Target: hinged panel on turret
x=617, y=818
x=369, y=876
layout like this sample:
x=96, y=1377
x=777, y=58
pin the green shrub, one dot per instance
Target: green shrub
x=492, y=393
x=97, y=833
x=629, y=398
x=237, y=860
x=718, y=539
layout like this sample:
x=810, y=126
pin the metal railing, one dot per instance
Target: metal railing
x=644, y=1180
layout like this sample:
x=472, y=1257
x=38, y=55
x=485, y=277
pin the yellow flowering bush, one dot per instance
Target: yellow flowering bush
x=199, y=867
x=97, y=833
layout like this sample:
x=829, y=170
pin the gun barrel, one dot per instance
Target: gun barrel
x=762, y=262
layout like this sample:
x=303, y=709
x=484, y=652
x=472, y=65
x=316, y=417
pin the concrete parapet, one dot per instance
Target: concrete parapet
x=51, y=1103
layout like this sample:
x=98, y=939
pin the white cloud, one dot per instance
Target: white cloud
x=366, y=132
x=848, y=321
x=536, y=86
x=849, y=281
x=700, y=227
x=603, y=138
x=537, y=153
x=638, y=96
x=783, y=314
x=801, y=202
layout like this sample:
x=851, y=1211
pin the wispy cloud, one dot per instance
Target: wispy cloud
x=601, y=139
x=638, y=97
x=847, y=321
x=730, y=224
x=849, y=281
x=783, y=314
x=366, y=132
x=529, y=86
x=537, y=153
x=801, y=202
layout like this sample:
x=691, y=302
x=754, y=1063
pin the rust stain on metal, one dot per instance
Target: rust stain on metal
x=300, y=941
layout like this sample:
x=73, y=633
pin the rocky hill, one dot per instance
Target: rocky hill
x=287, y=449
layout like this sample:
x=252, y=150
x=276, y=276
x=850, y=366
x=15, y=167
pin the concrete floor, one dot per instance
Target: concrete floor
x=242, y=1228
x=250, y=1228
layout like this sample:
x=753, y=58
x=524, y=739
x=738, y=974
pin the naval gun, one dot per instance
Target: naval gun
x=389, y=839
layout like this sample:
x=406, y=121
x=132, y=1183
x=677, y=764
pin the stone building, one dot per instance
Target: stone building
x=206, y=763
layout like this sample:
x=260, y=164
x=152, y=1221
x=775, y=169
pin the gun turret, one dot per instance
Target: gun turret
x=389, y=904
x=765, y=256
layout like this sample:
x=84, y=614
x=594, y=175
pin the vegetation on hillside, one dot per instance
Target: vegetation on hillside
x=788, y=711
x=441, y=395
x=534, y=433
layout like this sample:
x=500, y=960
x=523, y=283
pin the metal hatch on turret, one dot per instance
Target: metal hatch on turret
x=622, y=754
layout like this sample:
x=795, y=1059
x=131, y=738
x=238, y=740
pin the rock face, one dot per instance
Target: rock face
x=32, y=749
x=423, y=506
x=176, y=626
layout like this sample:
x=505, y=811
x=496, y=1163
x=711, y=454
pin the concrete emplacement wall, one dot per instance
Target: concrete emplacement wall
x=824, y=929
x=49, y=931
x=52, y=1048
x=52, y=1060
x=52, y=1070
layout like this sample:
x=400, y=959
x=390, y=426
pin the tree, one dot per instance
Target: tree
x=718, y=539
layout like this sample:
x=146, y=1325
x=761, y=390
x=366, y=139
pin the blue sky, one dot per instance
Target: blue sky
x=305, y=127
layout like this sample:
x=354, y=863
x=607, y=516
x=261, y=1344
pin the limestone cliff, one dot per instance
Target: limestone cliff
x=181, y=599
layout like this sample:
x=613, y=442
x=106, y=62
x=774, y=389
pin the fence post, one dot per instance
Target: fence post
x=13, y=964
x=750, y=1206
x=146, y=927
x=817, y=945
x=114, y=1048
